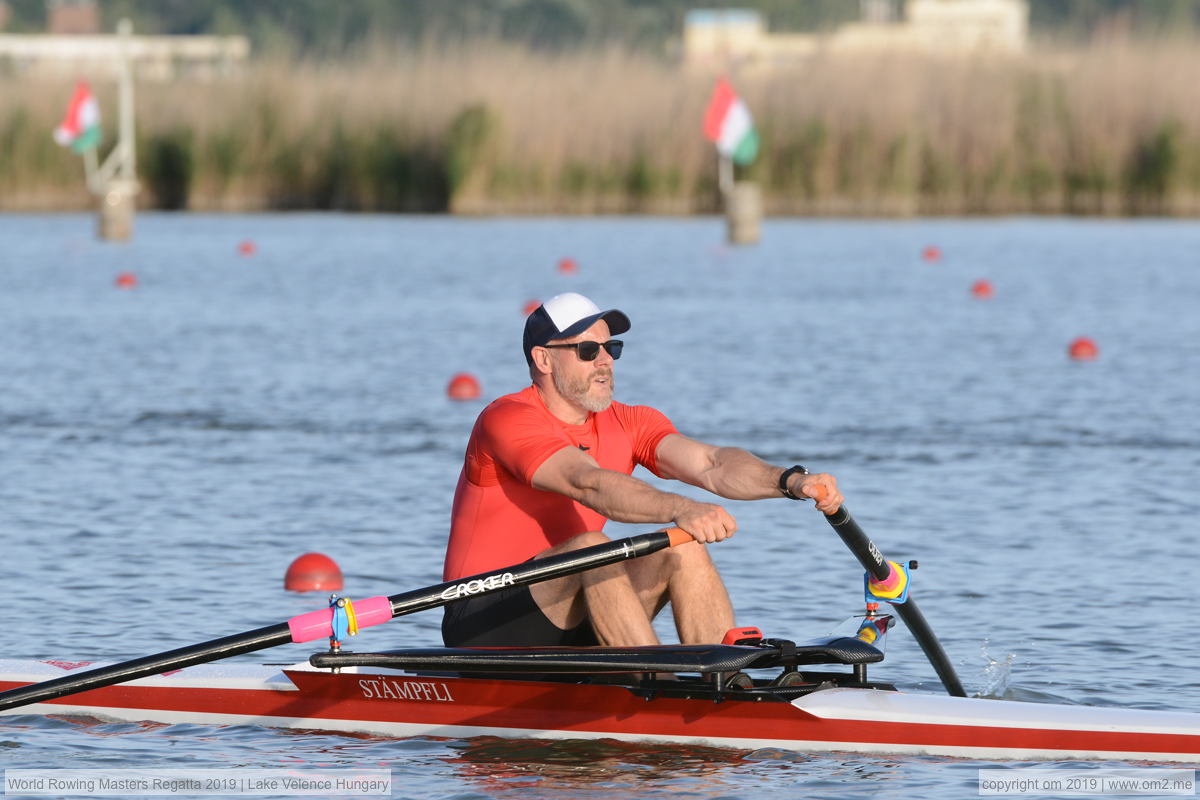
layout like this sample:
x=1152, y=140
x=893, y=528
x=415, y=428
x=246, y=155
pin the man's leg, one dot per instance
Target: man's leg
x=622, y=598
x=686, y=577
x=617, y=614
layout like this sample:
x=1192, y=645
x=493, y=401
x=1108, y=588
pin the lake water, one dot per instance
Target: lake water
x=166, y=451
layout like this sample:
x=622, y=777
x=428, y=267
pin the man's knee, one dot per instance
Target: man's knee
x=577, y=542
x=588, y=539
x=689, y=557
x=691, y=551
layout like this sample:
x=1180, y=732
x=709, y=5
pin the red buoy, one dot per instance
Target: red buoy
x=126, y=280
x=932, y=253
x=463, y=386
x=313, y=572
x=982, y=289
x=1083, y=349
x=567, y=266
x=530, y=307
x=247, y=247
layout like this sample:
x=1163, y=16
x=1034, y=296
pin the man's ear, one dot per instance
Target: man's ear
x=541, y=360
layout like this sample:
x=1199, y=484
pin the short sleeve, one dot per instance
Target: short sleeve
x=520, y=438
x=646, y=427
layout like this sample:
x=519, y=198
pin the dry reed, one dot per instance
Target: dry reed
x=486, y=128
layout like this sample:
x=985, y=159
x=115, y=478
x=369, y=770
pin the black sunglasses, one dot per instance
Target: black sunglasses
x=587, y=351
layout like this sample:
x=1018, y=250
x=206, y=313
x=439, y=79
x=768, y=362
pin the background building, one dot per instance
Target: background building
x=719, y=38
x=73, y=45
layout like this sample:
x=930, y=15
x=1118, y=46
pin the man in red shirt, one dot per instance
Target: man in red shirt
x=547, y=466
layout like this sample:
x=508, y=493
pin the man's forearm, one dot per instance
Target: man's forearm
x=623, y=498
x=740, y=475
x=737, y=474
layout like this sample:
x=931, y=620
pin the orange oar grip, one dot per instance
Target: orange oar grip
x=820, y=493
x=678, y=536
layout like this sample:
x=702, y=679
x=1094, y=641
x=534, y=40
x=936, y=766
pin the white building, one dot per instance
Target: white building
x=74, y=46
x=156, y=57
x=934, y=27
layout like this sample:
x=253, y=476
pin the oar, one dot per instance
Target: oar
x=372, y=611
x=874, y=563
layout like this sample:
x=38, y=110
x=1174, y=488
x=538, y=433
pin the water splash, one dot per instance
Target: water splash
x=997, y=674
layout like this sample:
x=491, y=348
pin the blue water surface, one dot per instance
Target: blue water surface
x=166, y=451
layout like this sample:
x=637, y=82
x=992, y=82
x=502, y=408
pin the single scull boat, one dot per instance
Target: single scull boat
x=460, y=693
x=698, y=694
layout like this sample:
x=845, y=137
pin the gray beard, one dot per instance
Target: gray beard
x=577, y=392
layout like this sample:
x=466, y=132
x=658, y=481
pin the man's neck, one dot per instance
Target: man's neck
x=561, y=408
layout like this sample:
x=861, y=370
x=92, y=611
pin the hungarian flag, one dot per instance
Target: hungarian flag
x=727, y=122
x=80, y=128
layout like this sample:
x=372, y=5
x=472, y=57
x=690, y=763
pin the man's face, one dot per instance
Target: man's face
x=588, y=384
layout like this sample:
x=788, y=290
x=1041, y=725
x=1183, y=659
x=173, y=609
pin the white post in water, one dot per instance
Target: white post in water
x=743, y=213
x=743, y=204
x=115, y=183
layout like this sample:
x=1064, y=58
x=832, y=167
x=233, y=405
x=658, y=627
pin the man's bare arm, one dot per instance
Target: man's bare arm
x=623, y=498
x=737, y=474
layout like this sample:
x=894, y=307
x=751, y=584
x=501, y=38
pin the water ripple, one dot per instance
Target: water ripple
x=169, y=451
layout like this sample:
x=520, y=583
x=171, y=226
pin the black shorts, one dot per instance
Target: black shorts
x=508, y=618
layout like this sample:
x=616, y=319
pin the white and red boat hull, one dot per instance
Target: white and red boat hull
x=391, y=703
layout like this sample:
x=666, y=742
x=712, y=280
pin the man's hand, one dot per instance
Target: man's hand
x=707, y=523
x=821, y=487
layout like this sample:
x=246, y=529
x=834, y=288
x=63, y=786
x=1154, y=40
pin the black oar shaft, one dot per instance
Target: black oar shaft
x=543, y=569
x=157, y=664
x=405, y=603
x=916, y=622
x=873, y=562
x=862, y=547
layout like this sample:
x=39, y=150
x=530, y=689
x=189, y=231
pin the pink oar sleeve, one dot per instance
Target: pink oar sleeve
x=318, y=624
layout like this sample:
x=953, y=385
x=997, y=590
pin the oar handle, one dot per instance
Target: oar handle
x=878, y=567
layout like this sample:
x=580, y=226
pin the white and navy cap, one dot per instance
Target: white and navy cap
x=567, y=315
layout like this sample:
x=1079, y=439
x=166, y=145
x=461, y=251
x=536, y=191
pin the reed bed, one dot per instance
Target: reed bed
x=484, y=128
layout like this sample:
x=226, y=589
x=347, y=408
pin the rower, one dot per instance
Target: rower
x=548, y=466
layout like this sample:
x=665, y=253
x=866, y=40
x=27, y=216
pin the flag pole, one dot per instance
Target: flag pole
x=724, y=177
x=89, y=170
x=116, y=182
x=128, y=151
x=728, y=124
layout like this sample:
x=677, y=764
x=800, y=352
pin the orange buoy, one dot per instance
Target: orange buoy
x=1083, y=349
x=126, y=280
x=567, y=266
x=247, y=247
x=530, y=307
x=463, y=386
x=313, y=572
x=982, y=289
x=932, y=253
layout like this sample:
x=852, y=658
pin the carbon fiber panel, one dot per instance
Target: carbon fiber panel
x=665, y=658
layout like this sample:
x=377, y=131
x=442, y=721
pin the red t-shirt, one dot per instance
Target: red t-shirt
x=498, y=517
